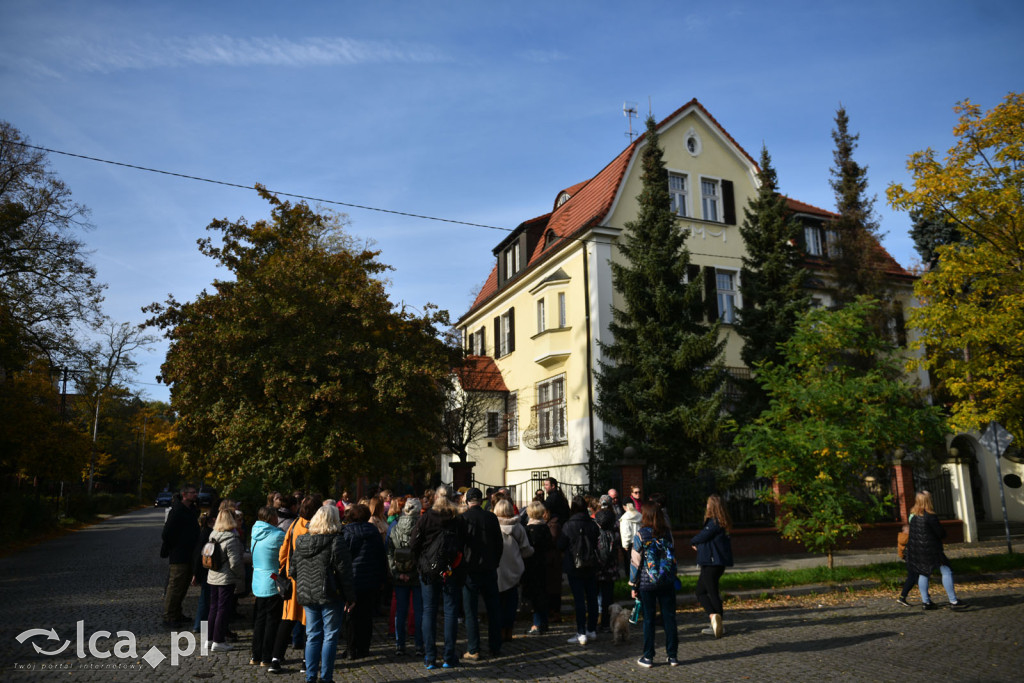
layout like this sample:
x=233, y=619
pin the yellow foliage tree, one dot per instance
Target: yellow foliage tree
x=972, y=313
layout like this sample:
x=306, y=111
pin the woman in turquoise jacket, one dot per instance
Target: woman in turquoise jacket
x=266, y=542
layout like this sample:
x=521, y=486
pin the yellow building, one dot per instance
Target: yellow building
x=548, y=300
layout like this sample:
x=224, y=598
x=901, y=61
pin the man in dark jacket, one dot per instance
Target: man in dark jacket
x=180, y=534
x=483, y=555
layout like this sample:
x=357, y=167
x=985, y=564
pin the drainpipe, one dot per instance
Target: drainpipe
x=590, y=365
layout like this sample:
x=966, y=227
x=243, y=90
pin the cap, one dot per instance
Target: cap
x=474, y=494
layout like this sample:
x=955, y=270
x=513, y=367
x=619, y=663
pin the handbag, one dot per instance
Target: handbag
x=284, y=584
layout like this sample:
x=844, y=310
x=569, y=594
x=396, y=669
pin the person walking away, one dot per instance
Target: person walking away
x=652, y=577
x=517, y=549
x=324, y=588
x=439, y=542
x=714, y=554
x=265, y=546
x=292, y=615
x=629, y=524
x=369, y=566
x=179, y=536
x=578, y=544
x=608, y=559
x=925, y=553
x=535, y=579
x=483, y=555
x=224, y=581
x=405, y=576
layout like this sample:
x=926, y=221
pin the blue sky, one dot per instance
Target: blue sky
x=473, y=111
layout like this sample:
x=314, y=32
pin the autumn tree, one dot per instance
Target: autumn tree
x=832, y=425
x=660, y=385
x=853, y=235
x=299, y=369
x=48, y=288
x=772, y=281
x=470, y=406
x=972, y=314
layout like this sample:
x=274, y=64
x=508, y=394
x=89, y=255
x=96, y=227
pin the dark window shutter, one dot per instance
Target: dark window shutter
x=511, y=330
x=692, y=276
x=483, y=341
x=710, y=294
x=728, y=203
x=497, y=337
x=901, y=325
x=470, y=345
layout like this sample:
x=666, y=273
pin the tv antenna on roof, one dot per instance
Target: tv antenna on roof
x=629, y=111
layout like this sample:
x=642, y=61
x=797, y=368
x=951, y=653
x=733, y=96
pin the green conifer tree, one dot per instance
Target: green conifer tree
x=660, y=386
x=772, y=282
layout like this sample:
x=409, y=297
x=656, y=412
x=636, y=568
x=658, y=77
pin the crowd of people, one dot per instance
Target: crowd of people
x=320, y=571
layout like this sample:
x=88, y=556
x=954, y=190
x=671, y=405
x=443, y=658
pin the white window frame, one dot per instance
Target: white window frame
x=551, y=425
x=727, y=298
x=832, y=247
x=711, y=204
x=680, y=202
x=541, y=322
x=512, y=420
x=562, y=320
x=512, y=260
x=478, y=343
x=504, y=342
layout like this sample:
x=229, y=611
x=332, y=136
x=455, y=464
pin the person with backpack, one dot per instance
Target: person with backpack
x=578, y=543
x=607, y=559
x=483, y=554
x=293, y=617
x=405, y=576
x=439, y=541
x=265, y=545
x=226, y=574
x=714, y=554
x=324, y=588
x=652, y=576
x=516, y=549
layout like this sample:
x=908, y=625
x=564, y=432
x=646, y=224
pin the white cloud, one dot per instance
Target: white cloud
x=153, y=52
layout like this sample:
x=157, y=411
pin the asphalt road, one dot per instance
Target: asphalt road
x=110, y=578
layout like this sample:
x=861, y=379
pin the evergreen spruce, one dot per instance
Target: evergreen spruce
x=852, y=250
x=660, y=388
x=772, y=283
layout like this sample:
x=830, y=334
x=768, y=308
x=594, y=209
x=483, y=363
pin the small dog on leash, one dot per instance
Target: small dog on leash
x=620, y=624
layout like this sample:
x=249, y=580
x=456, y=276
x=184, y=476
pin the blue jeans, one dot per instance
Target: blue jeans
x=664, y=598
x=323, y=624
x=482, y=584
x=584, y=599
x=947, y=583
x=203, y=608
x=432, y=595
x=402, y=595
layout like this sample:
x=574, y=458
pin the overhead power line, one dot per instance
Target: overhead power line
x=319, y=200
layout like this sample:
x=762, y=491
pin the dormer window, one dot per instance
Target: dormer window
x=562, y=199
x=511, y=260
x=549, y=238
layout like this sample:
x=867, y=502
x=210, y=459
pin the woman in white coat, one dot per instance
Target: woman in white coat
x=510, y=569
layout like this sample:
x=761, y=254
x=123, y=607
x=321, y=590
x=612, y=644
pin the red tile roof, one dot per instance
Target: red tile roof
x=480, y=373
x=591, y=200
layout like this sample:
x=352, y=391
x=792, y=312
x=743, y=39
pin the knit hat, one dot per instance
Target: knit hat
x=412, y=506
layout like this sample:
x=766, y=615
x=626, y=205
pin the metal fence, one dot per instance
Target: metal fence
x=686, y=500
x=940, y=485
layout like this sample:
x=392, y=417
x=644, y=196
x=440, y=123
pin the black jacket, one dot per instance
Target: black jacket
x=313, y=555
x=556, y=505
x=579, y=523
x=485, y=544
x=924, y=546
x=369, y=562
x=181, y=531
x=429, y=525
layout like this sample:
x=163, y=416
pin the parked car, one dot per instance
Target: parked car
x=205, y=496
x=163, y=499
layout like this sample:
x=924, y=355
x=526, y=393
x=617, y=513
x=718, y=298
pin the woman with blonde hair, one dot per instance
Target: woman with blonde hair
x=714, y=554
x=924, y=551
x=225, y=579
x=535, y=575
x=324, y=588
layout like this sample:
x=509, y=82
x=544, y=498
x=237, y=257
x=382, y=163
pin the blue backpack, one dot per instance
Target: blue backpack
x=659, y=562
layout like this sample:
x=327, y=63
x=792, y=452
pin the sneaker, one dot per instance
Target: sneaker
x=420, y=652
x=275, y=667
x=928, y=605
x=534, y=631
x=253, y=662
x=959, y=604
x=431, y=667
x=447, y=665
x=302, y=667
x=902, y=601
x=579, y=638
x=471, y=656
x=591, y=635
x=400, y=651
x=708, y=631
x=221, y=647
x=672, y=661
x=645, y=662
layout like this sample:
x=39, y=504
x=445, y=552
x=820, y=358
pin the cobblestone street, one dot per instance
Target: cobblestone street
x=110, y=577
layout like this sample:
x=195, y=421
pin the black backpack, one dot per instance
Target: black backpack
x=441, y=556
x=606, y=554
x=584, y=555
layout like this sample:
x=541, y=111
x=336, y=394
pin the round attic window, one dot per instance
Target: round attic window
x=562, y=199
x=693, y=143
